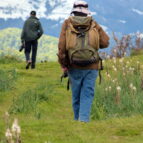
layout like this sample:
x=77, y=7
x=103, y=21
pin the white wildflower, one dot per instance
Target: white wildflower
x=131, y=85
x=108, y=56
x=128, y=62
x=121, y=60
x=8, y=134
x=134, y=88
x=131, y=69
x=6, y=114
x=110, y=88
x=124, y=74
x=118, y=88
x=115, y=50
x=16, y=127
x=106, y=89
x=125, y=53
x=115, y=69
x=114, y=60
x=108, y=75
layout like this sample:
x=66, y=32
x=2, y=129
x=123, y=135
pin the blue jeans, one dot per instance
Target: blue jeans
x=83, y=85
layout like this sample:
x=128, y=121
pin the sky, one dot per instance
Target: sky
x=123, y=16
x=60, y=8
x=20, y=8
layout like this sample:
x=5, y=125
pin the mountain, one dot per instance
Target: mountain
x=10, y=43
x=122, y=16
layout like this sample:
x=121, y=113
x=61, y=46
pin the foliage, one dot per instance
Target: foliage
x=131, y=44
x=120, y=94
x=135, y=52
x=30, y=99
x=55, y=122
x=12, y=134
x=9, y=59
x=7, y=78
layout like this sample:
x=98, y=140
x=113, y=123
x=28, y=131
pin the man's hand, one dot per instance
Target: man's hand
x=65, y=69
x=22, y=45
x=65, y=73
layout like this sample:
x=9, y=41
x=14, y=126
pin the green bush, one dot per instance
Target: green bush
x=135, y=52
x=7, y=59
x=7, y=79
x=29, y=100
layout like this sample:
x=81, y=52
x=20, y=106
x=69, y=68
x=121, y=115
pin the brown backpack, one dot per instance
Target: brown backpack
x=82, y=41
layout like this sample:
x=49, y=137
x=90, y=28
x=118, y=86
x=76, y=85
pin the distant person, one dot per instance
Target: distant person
x=79, y=41
x=32, y=31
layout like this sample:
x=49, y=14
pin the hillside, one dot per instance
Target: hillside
x=10, y=43
x=43, y=106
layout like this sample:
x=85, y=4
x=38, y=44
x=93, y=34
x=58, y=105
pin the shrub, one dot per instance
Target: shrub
x=136, y=52
x=29, y=100
x=6, y=59
x=7, y=79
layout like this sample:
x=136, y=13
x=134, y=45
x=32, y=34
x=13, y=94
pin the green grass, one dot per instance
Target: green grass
x=135, y=52
x=7, y=78
x=129, y=101
x=46, y=112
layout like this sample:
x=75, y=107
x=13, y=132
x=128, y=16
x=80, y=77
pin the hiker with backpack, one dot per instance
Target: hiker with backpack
x=80, y=39
x=32, y=31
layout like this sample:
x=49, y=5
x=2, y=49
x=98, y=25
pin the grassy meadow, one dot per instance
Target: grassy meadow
x=43, y=107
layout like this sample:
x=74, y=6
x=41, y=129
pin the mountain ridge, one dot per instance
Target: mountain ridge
x=119, y=16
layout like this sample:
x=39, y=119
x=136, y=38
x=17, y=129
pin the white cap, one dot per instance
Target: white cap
x=81, y=6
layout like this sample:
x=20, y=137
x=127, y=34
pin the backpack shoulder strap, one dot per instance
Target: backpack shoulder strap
x=93, y=25
x=71, y=27
x=93, y=29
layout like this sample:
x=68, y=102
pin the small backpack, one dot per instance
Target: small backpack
x=82, y=41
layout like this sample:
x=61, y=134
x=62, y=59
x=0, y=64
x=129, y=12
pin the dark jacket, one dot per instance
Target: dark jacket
x=32, y=29
x=63, y=54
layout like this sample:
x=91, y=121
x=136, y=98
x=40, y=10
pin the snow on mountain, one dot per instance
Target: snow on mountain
x=14, y=9
x=122, y=16
x=49, y=9
x=20, y=9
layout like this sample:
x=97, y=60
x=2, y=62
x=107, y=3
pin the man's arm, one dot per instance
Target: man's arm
x=62, y=52
x=23, y=32
x=104, y=38
x=40, y=31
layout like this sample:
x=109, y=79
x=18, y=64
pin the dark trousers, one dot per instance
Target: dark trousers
x=31, y=45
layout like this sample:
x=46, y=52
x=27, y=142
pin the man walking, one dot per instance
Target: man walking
x=79, y=41
x=32, y=31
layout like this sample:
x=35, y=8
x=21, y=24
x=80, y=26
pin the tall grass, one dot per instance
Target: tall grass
x=7, y=59
x=120, y=93
x=28, y=102
x=7, y=78
x=135, y=52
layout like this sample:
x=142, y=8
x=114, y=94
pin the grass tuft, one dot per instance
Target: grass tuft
x=7, y=78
